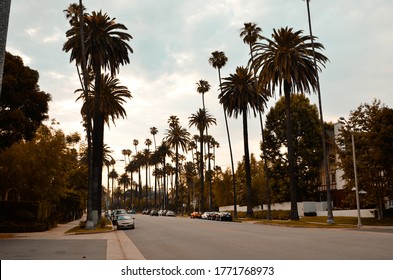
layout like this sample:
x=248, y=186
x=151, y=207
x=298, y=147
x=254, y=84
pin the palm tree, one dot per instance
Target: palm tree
x=177, y=137
x=124, y=181
x=76, y=15
x=135, y=142
x=113, y=96
x=106, y=48
x=218, y=60
x=286, y=62
x=239, y=97
x=154, y=131
x=201, y=120
x=146, y=162
x=132, y=167
x=203, y=86
x=113, y=175
x=251, y=34
x=163, y=151
x=330, y=219
x=5, y=7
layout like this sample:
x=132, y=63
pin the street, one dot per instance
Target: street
x=188, y=239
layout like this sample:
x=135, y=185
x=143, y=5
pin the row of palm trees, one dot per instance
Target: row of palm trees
x=287, y=63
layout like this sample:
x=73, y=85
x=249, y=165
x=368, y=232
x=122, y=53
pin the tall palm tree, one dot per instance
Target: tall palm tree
x=201, y=120
x=125, y=181
x=251, y=34
x=135, y=142
x=113, y=175
x=154, y=131
x=164, y=151
x=132, y=167
x=177, y=137
x=146, y=162
x=5, y=8
x=286, y=62
x=330, y=219
x=240, y=97
x=75, y=14
x=106, y=48
x=218, y=60
x=203, y=86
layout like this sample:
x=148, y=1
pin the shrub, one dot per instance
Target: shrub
x=82, y=224
x=310, y=214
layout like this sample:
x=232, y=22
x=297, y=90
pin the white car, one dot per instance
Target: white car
x=125, y=221
x=170, y=213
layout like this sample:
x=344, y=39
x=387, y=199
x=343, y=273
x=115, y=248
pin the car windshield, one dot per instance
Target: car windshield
x=124, y=217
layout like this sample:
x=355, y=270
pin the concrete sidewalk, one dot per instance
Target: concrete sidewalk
x=119, y=246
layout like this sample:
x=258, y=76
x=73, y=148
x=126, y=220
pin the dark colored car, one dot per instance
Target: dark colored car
x=224, y=216
x=153, y=213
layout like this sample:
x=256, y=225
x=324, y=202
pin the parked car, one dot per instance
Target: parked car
x=205, y=215
x=131, y=211
x=196, y=215
x=125, y=221
x=170, y=213
x=224, y=216
x=162, y=213
x=153, y=213
x=115, y=213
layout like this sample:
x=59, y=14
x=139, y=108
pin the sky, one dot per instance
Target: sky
x=172, y=42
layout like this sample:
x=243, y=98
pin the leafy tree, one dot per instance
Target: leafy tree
x=307, y=148
x=23, y=106
x=372, y=128
x=287, y=62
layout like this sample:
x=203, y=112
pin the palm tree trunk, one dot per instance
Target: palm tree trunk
x=177, y=178
x=231, y=155
x=202, y=177
x=247, y=164
x=330, y=219
x=291, y=152
x=5, y=7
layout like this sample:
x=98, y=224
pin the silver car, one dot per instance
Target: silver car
x=125, y=221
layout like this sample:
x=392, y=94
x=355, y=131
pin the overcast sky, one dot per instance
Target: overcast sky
x=173, y=40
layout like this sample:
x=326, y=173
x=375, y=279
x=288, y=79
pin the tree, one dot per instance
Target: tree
x=372, y=129
x=203, y=86
x=307, y=148
x=23, y=106
x=177, y=137
x=164, y=151
x=218, y=60
x=201, y=120
x=125, y=181
x=251, y=34
x=239, y=97
x=286, y=62
x=5, y=7
x=154, y=131
x=106, y=48
x=113, y=175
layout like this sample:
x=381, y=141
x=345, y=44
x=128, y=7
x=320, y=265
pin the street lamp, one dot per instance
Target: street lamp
x=343, y=121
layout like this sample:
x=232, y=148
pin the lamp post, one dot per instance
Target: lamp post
x=343, y=121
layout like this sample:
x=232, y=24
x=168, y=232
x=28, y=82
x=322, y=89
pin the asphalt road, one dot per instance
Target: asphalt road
x=188, y=239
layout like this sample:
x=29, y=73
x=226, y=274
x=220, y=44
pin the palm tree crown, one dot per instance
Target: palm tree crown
x=287, y=60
